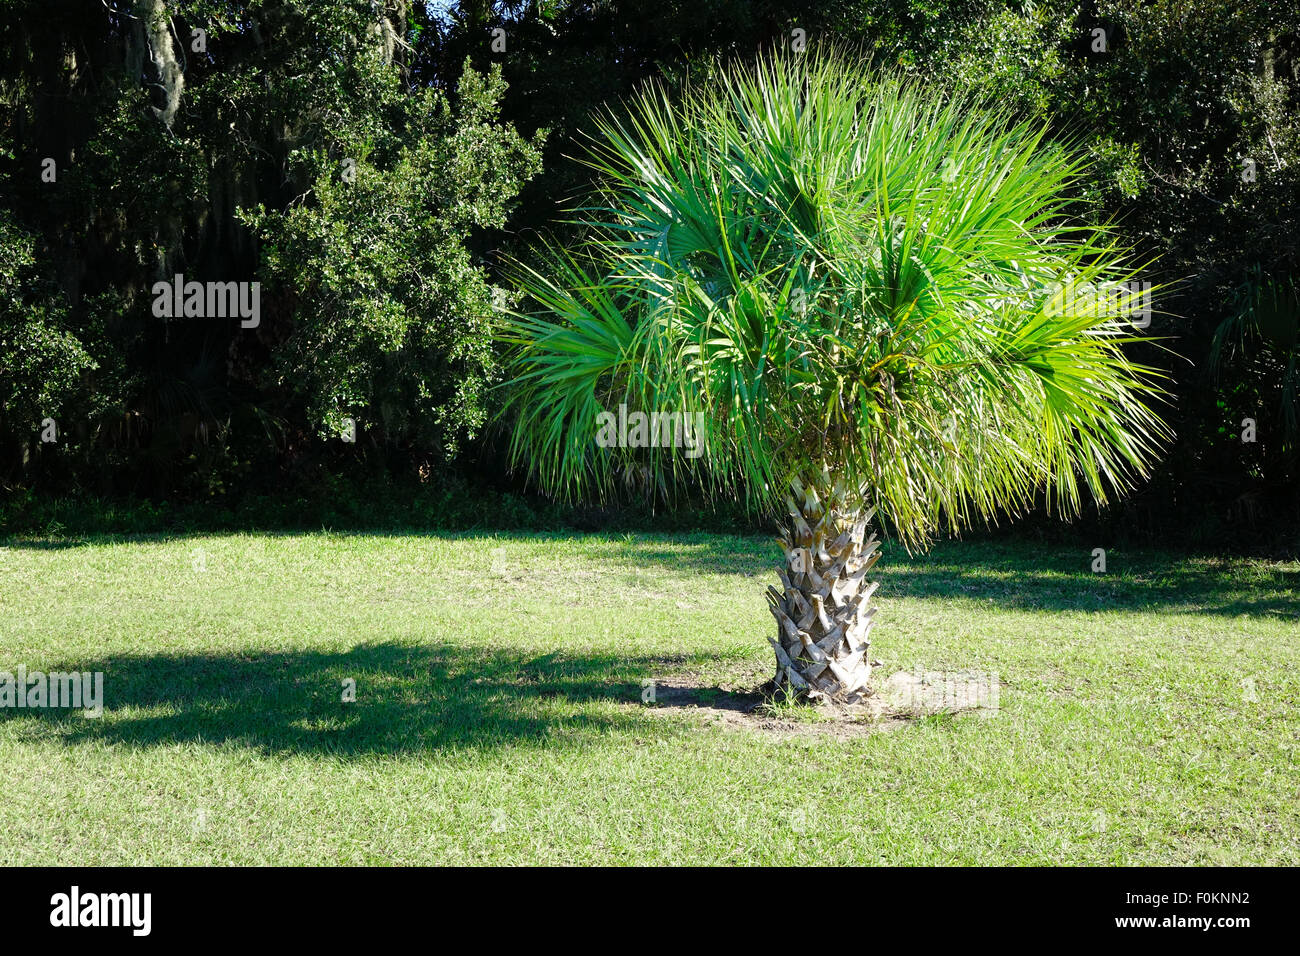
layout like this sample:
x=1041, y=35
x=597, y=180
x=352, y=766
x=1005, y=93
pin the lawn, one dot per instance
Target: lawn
x=1147, y=715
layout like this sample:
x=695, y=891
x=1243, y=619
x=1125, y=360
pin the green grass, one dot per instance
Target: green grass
x=1147, y=715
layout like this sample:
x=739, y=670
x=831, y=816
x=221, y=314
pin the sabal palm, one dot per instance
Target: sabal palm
x=845, y=274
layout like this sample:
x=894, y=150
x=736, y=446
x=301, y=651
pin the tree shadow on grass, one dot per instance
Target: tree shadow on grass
x=409, y=699
x=1144, y=584
x=1009, y=575
x=1019, y=576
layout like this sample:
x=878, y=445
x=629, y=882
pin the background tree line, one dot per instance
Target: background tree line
x=369, y=163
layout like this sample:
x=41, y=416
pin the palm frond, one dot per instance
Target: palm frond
x=833, y=266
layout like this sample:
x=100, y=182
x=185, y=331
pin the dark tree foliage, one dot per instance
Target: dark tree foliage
x=224, y=161
x=278, y=143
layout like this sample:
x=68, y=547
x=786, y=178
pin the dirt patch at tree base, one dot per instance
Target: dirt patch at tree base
x=903, y=697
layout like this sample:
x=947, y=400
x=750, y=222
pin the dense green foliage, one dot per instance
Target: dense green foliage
x=826, y=267
x=389, y=311
x=282, y=144
x=40, y=359
x=235, y=174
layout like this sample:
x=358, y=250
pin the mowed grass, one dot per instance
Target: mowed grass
x=1148, y=715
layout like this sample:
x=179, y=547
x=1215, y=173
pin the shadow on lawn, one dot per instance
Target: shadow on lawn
x=1023, y=577
x=1142, y=583
x=409, y=699
x=1012, y=575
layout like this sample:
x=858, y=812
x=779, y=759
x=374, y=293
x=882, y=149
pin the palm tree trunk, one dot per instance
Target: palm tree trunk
x=823, y=616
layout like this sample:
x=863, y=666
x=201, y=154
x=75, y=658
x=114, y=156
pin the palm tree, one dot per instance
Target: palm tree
x=854, y=286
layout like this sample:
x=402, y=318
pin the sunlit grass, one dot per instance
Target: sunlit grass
x=1147, y=715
